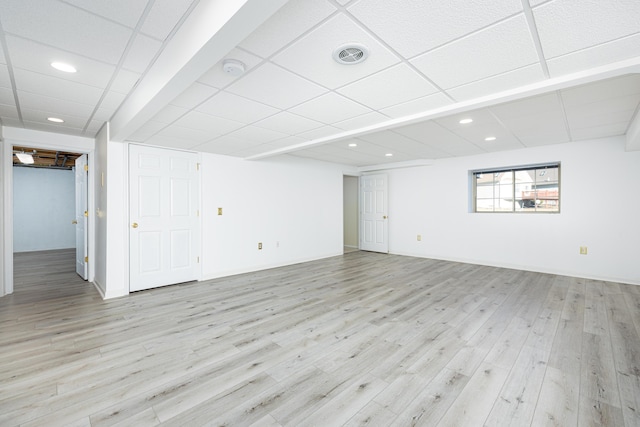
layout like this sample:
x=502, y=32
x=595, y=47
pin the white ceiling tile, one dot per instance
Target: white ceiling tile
x=59, y=24
x=53, y=87
x=256, y=134
x=317, y=47
x=194, y=95
x=501, y=143
x=170, y=114
x=613, y=110
x=40, y=116
x=147, y=130
x=534, y=121
x=10, y=122
x=124, y=81
x=288, y=123
x=511, y=48
x=8, y=112
x=318, y=133
x=175, y=142
x=36, y=57
x=435, y=136
x=103, y=114
x=568, y=25
x=6, y=96
x=412, y=27
x=189, y=137
x=601, y=131
x=330, y=108
x=400, y=143
x=419, y=105
x=226, y=144
x=484, y=125
x=291, y=21
x=207, y=123
x=603, y=90
x=324, y=157
x=554, y=133
x=361, y=121
x=94, y=127
x=5, y=80
x=392, y=86
x=112, y=100
x=142, y=52
x=126, y=12
x=50, y=127
x=62, y=107
x=163, y=17
x=606, y=53
x=287, y=141
x=509, y=80
x=218, y=78
x=273, y=85
x=344, y=2
x=234, y=107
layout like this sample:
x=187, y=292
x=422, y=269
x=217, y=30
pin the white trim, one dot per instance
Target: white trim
x=44, y=140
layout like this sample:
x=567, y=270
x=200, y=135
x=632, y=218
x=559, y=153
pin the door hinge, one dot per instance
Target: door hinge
x=86, y=259
x=86, y=213
x=198, y=212
x=197, y=166
x=86, y=168
x=198, y=259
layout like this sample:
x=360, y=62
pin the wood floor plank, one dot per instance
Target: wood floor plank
x=360, y=339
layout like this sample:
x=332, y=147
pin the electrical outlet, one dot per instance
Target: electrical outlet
x=419, y=237
x=219, y=211
x=260, y=246
x=583, y=250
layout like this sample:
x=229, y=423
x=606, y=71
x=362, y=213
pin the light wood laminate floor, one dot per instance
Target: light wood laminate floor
x=358, y=339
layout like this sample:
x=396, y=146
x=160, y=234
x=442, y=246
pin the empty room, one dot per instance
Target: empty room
x=319, y=213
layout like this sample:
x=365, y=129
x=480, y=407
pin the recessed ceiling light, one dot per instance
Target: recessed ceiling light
x=353, y=145
x=61, y=66
x=490, y=138
x=389, y=154
x=55, y=120
x=465, y=121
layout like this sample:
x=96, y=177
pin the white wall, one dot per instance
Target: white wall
x=43, y=208
x=293, y=206
x=350, y=211
x=599, y=209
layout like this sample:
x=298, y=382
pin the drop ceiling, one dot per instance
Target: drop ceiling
x=528, y=72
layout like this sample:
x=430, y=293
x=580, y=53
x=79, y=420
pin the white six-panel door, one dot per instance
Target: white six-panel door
x=164, y=226
x=82, y=215
x=374, y=223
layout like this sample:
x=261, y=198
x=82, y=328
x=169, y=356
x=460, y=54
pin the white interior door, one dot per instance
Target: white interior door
x=164, y=238
x=374, y=222
x=82, y=216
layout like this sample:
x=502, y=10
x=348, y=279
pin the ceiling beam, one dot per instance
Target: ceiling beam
x=545, y=86
x=212, y=29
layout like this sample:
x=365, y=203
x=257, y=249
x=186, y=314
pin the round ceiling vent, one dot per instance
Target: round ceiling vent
x=349, y=54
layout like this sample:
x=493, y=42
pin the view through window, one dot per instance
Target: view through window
x=518, y=189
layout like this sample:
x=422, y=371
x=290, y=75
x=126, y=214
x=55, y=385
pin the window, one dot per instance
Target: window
x=518, y=189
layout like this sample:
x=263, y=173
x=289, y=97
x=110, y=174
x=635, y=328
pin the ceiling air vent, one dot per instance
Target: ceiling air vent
x=349, y=54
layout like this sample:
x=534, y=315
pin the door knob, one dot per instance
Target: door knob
x=74, y=222
x=384, y=217
x=134, y=225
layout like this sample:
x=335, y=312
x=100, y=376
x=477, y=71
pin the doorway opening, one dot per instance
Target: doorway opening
x=48, y=232
x=350, y=213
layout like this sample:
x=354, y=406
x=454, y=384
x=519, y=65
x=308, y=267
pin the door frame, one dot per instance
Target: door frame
x=360, y=207
x=6, y=206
